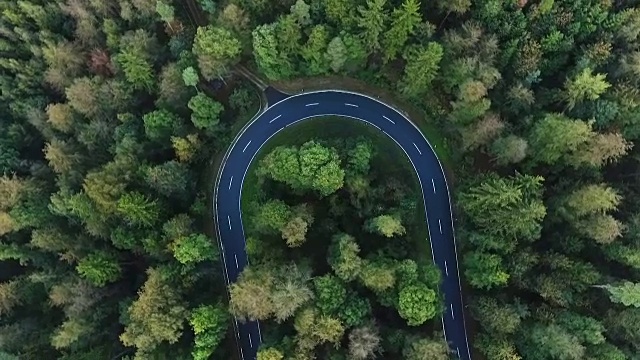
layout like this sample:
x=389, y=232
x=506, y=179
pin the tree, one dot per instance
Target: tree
x=336, y=54
x=426, y=349
x=272, y=216
x=417, y=304
x=11, y=190
x=166, y=11
x=363, y=342
x=456, y=6
x=300, y=10
x=170, y=179
x=482, y=132
x=509, y=149
x=311, y=167
x=557, y=136
x=344, y=257
x=404, y=21
x=160, y=124
x=423, y=63
x=330, y=294
x=385, y=225
x=273, y=62
x=172, y=88
x=194, y=248
x=485, y=271
x=186, y=148
x=209, y=323
x=313, y=52
x=372, y=20
x=217, y=49
x=269, y=354
x=205, y=112
x=251, y=295
x=550, y=342
x=137, y=70
x=70, y=332
x=99, y=268
x=626, y=293
x=506, y=207
x=138, y=210
x=585, y=86
x=295, y=231
x=10, y=296
x=378, y=275
x=61, y=155
x=157, y=315
x=496, y=317
x=83, y=96
x=190, y=76
x=61, y=117
x=591, y=199
x=602, y=149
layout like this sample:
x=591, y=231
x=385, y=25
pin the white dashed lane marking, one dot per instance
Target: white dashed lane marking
x=236, y=258
x=246, y=146
x=434, y=186
x=230, y=182
x=440, y=226
x=391, y=121
x=416, y=146
x=446, y=268
x=275, y=118
x=312, y=104
x=451, y=307
x=353, y=105
x=229, y=220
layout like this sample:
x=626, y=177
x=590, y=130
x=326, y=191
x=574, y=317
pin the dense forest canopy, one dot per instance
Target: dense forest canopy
x=115, y=113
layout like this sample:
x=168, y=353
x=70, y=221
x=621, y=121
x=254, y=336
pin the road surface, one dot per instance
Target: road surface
x=393, y=124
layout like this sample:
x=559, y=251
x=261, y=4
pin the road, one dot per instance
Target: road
x=393, y=124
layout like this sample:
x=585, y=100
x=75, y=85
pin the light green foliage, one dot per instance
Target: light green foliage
x=69, y=333
x=209, y=323
x=269, y=354
x=506, y=206
x=592, y=199
x=372, y=19
x=404, y=21
x=626, y=293
x=587, y=329
x=99, y=268
x=300, y=10
x=336, y=54
x=313, y=52
x=194, y=248
x=205, y=112
x=217, y=50
x=378, y=276
x=274, y=63
x=551, y=342
x=385, y=225
x=342, y=13
x=272, y=216
x=423, y=63
x=456, y=6
x=137, y=209
x=417, y=304
x=330, y=294
x=166, y=11
x=190, y=76
x=485, y=271
x=137, y=69
x=156, y=316
x=160, y=124
x=585, y=86
x=556, y=136
x=344, y=257
x=294, y=231
x=510, y=149
x=310, y=167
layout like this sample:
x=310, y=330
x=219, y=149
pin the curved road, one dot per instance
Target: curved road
x=431, y=176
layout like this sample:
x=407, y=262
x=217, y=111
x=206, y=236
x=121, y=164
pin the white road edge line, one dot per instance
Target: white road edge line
x=451, y=307
x=236, y=257
x=354, y=105
x=446, y=268
x=275, y=118
x=246, y=146
x=434, y=186
x=440, y=226
x=230, y=182
x=312, y=104
x=241, y=353
x=419, y=152
x=250, y=342
x=391, y=121
x=229, y=220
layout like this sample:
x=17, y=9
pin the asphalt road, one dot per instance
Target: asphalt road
x=393, y=124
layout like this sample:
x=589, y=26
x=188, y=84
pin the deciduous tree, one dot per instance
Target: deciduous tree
x=417, y=304
x=217, y=50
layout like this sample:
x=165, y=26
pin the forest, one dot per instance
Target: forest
x=115, y=115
